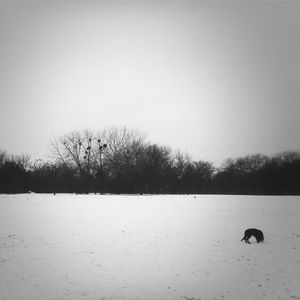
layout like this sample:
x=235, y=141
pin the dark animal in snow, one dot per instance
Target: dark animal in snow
x=258, y=234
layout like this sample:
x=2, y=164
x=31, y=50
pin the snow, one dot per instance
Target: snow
x=168, y=247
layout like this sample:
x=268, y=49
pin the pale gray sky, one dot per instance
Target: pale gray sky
x=215, y=79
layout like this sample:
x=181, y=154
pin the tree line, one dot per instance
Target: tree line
x=121, y=160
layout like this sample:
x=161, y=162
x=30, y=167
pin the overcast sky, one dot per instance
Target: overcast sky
x=215, y=79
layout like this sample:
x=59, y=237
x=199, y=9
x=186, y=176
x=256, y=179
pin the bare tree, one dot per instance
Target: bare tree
x=121, y=139
x=75, y=150
x=245, y=165
x=89, y=151
x=22, y=160
x=3, y=158
x=181, y=162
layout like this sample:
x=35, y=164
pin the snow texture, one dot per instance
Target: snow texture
x=163, y=247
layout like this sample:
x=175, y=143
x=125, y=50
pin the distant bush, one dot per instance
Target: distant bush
x=122, y=161
x=259, y=174
x=13, y=176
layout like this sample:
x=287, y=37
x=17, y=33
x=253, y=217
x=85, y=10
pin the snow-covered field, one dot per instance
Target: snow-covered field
x=148, y=247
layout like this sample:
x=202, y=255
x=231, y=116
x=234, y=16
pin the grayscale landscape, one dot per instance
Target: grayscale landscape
x=139, y=140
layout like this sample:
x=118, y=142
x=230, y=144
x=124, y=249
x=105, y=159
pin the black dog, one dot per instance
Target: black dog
x=253, y=232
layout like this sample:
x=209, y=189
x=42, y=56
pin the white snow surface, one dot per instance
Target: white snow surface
x=161, y=247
